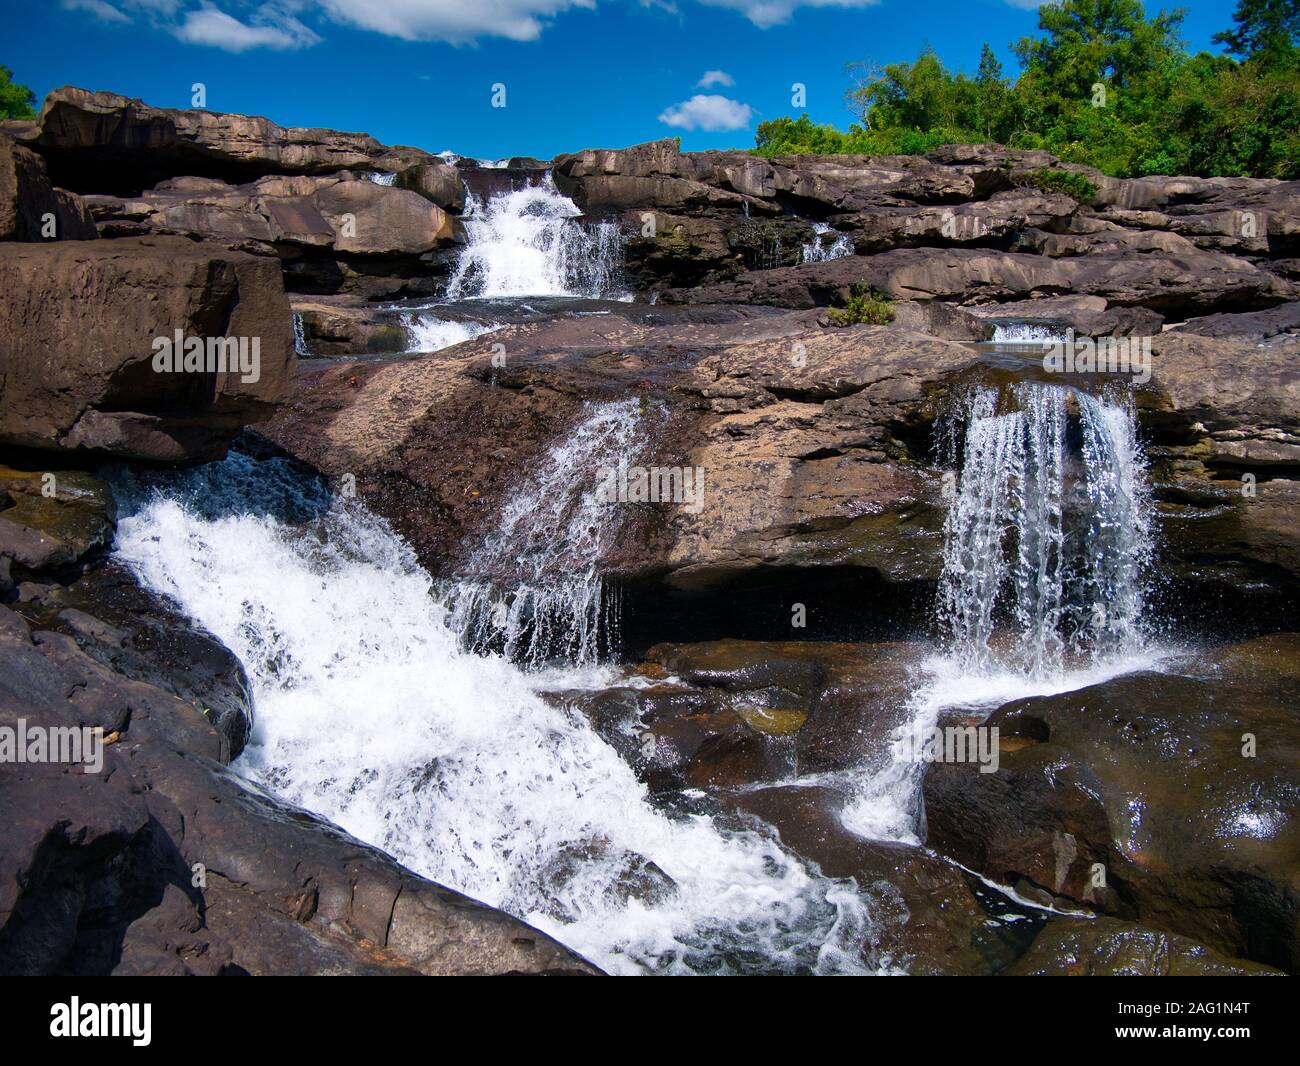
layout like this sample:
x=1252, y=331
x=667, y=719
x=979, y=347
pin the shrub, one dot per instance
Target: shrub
x=865, y=307
x=1068, y=182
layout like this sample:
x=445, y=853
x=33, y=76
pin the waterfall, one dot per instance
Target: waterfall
x=1047, y=544
x=533, y=588
x=1027, y=333
x=1050, y=540
x=526, y=242
x=369, y=712
x=300, y=336
x=818, y=251
x=429, y=333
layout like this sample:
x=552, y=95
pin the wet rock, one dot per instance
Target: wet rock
x=926, y=916
x=1160, y=797
x=165, y=863
x=1104, y=947
x=583, y=873
x=139, y=635
x=52, y=520
x=79, y=320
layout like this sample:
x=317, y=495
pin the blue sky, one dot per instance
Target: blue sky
x=577, y=73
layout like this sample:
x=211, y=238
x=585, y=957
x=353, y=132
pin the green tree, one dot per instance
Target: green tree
x=992, y=97
x=1090, y=41
x=15, y=100
x=1264, y=29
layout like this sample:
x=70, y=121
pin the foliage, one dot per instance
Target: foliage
x=1102, y=85
x=1069, y=182
x=864, y=306
x=15, y=100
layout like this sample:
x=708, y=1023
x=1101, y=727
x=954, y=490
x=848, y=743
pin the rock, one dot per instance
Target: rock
x=372, y=219
x=1104, y=947
x=330, y=232
x=437, y=182
x=1150, y=778
x=102, y=142
x=840, y=702
x=1257, y=326
x=346, y=325
x=79, y=320
x=138, y=635
x=31, y=209
x=927, y=916
x=1185, y=285
x=52, y=520
x=165, y=863
x=1088, y=316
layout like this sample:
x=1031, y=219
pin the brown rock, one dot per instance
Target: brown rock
x=79, y=321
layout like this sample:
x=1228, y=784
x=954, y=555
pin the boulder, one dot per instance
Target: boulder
x=51, y=521
x=164, y=862
x=29, y=204
x=79, y=321
x=1161, y=797
x=437, y=182
x=102, y=142
x=1105, y=947
x=928, y=917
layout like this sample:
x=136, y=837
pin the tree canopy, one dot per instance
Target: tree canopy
x=16, y=101
x=1102, y=84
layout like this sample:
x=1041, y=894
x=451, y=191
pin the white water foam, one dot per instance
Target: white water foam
x=819, y=251
x=429, y=333
x=1027, y=333
x=527, y=243
x=369, y=712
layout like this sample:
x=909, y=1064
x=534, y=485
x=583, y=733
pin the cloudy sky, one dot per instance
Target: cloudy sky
x=575, y=73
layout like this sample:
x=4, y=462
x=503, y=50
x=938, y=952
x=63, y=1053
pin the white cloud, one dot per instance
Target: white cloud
x=456, y=21
x=715, y=77
x=1027, y=5
x=766, y=13
x=713, y=113
x=99, y=8
x=269, y=27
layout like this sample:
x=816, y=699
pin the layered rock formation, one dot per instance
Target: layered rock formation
x=1177, y=246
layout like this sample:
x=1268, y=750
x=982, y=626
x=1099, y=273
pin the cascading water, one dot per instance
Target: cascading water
x=818, y=250
x=369, y=712
x=1047, y=543
x=300, y=336
x=1055, y=538
x=429, y=333
x=533, y=589
x=526, y=242
x=1027, y=333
